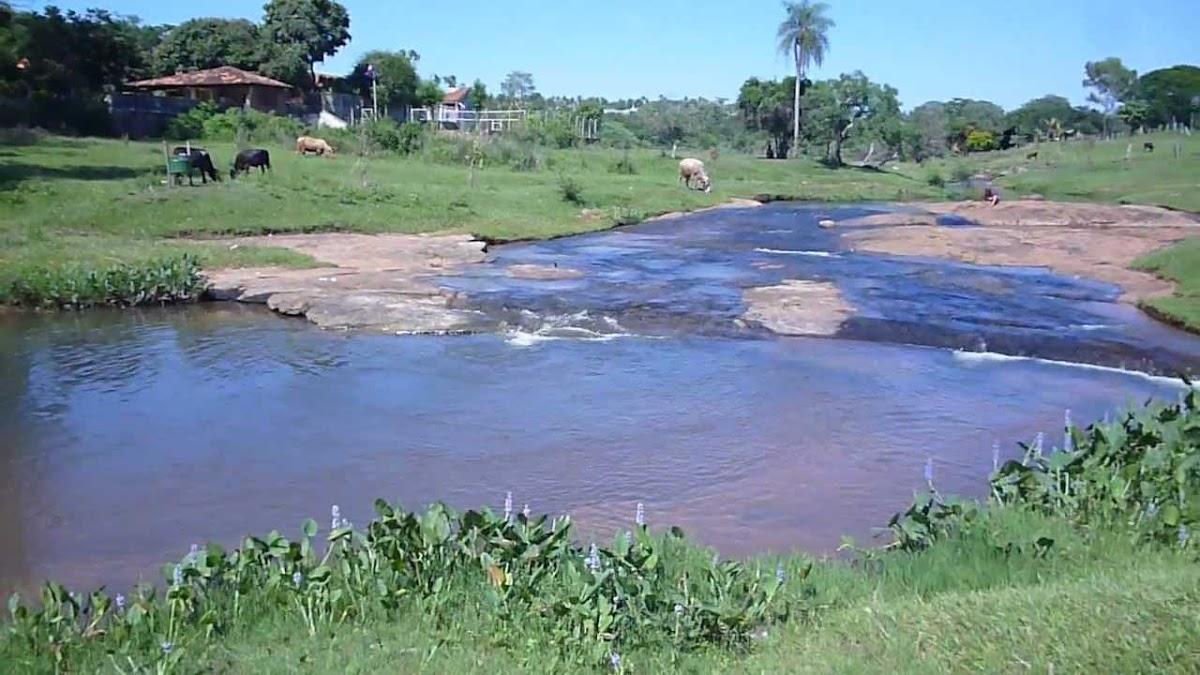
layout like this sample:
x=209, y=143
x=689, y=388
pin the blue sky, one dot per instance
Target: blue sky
x=1007, y=52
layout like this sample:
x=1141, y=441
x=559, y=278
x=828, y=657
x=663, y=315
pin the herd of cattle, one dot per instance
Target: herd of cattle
x=691, y=171
x=201, y=162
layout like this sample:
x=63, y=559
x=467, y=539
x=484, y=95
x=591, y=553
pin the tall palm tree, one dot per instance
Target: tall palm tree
x=804, y=35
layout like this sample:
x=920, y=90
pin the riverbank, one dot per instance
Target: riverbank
x=963, y=586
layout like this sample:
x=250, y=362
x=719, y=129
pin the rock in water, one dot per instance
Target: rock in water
x=826, y=223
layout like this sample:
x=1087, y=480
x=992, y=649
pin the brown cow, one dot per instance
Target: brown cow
x=319, y=146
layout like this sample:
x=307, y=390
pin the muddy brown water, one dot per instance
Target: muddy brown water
x=127, y=436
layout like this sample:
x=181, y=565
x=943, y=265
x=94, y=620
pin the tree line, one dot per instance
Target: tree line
x=55, y=66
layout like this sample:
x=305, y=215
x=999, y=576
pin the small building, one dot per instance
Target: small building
x=226, y=87
x=455, y=113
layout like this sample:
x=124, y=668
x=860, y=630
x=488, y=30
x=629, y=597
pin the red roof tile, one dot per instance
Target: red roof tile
x=214, y=77
x=458, y=95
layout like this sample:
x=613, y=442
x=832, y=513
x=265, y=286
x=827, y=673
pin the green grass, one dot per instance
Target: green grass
x=94, y=203
x=1181, y=264
x=1096, y=603
x=1096, y=171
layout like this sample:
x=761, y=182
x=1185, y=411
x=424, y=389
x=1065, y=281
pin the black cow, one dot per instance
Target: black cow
x=248, y=159
x=1148, y=146
x=198, y=160
x=1032, y=155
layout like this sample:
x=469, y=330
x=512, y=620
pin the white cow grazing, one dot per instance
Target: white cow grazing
x=692, y=170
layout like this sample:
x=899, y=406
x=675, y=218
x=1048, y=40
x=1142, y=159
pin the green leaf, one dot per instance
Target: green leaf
x=309, y=528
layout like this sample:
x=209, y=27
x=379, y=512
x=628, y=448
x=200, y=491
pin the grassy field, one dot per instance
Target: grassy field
x=91, y=201
x=1181, y=264
x=89, y=204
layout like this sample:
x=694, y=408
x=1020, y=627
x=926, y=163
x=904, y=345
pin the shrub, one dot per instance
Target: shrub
x=519, y=155
x=624, y=165
x=961, y=173
x=190, y=124
x=411, y=137
x=936, y=179
x=157, y=282
x=251, y=126
x=981, y=141
x=571, y=190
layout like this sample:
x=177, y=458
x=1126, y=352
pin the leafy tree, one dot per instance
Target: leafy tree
x=518, y=86
x=208, y=43
x=964, y=115
x=396, y=77
x=73, y=54
x=1171, y=94
x=804, y=35
x=321, y=27
x=930, y=122
x=981, y=141
x=766, y=106
x=1110, y=81
x=286, y=63
x=429, y=95
x=479, y=95
x=1134, y=114
x=838, y=108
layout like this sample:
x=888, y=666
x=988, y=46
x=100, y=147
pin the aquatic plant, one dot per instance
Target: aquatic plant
x=1143, y=469
x=165, y=281
x=590, y=603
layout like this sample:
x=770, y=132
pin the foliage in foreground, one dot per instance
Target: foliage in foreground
x=1141, y=472
x=590, y=603
x=175, y=279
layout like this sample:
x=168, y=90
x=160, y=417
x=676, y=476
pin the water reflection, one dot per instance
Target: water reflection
x=125, y=437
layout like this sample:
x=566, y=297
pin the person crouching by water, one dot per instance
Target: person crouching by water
x=991, y=196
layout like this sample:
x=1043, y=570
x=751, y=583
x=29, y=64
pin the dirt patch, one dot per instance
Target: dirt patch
x=797, y=307
x=1084, y=240
x=381, y=282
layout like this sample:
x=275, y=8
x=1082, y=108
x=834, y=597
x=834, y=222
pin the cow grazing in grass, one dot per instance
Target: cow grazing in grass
x=198, y=160
x=1148, y=146
x=318, y=146
x=1032, y=155
x=693, y=175
x=248, y=159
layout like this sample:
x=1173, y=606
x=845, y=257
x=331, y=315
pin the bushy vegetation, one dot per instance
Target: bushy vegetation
x=1140, y=473
x=169, y=280
x=207, y=122
x=1062, y=531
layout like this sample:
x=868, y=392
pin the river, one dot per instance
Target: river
x=126, y=436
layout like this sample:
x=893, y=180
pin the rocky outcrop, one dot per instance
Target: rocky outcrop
x=1097, y=241
x=797, y=307
x=376, y=282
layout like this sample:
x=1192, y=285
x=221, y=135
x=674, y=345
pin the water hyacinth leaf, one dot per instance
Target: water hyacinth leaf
x=309, y=528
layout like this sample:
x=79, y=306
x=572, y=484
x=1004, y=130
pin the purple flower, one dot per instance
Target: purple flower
x=526, y=512
x=508, y=506
x=678, y=608
x=929, y=472
x=167, y=647
x=297, y=579
x=1039, y=443
x=995, y=455
x=120, y=602
x=592, y=561
x=193, y=554
x=640, y=516
x=177, y=575
x=614, y=659
x=780, y=576
x=1184, y=535
x=335, y=520
x=1068, y=440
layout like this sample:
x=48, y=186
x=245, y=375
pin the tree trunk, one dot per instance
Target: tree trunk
x=796, y=107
